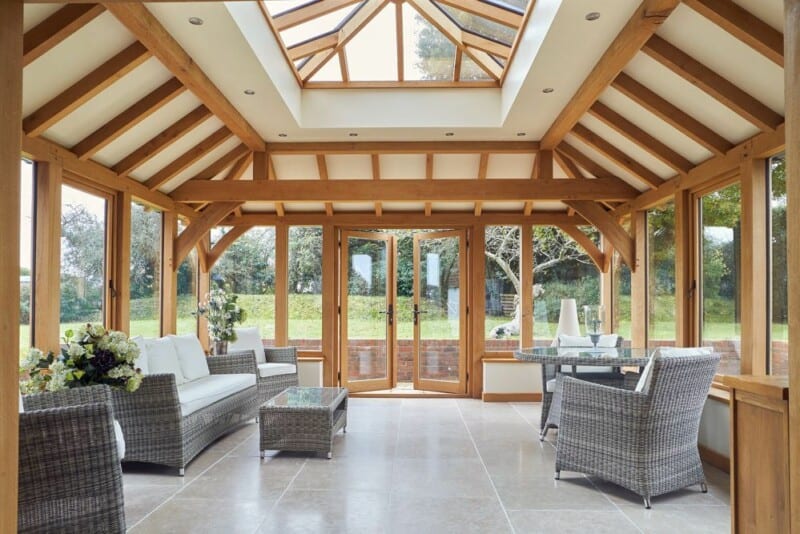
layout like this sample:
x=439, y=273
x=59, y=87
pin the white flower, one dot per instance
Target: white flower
x=32, y=358
x=74, y=350
x=97, y=330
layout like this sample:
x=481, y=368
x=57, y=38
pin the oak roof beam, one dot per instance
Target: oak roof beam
x=54, y=29
x=222, y=163
x=605, y=223
x=644, y=22
x=585, y=242
x=403, y=147
x=188, y=158
x=306, y=12
x=583, y=160
x=224, y=243
x=198, y=228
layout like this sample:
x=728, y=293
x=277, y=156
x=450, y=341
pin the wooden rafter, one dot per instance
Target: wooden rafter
x=569, y=165
x=494, y=12
x=466, y=42
x=188, y=158
x=84, y=89
x=597, y=142
x=272, y=175
x=322, y=167
x=638, y=136
x=306, y=12
x=743, y=25
x=209, y=218
x=483, y=166
x=343, y=67
x=222, y=163
x=404, y=147
x=544, y=161
x=583, y=240
x=129, y=118
x=583, y=160
x=398, y=30
x=364, y=13
x=54, y=29
x=647, y=18
x=608, y=227
x=260, y=166
x=404, y=190
x=224, y=242
x=400, y=219
x=313, y=46
x=671, y=114
x=376, y=175
x=139, y=21
x=161, y=141
x=712, y=83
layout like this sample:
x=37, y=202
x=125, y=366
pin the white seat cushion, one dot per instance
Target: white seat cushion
x=163, y=359
x=551, y=385
x=274, y=369
x=574, y=341
x=672, y=352
x=21, y=405
x=120, y=439
x=191, y=356
x=142, y=362
x=249, y=339
x=198, y=394
x=643, y=385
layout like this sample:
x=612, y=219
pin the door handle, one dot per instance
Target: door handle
x=416, y=313
x=389, y=314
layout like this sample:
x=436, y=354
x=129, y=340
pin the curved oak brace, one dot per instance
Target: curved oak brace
x=224, y=242
x=609, y=227
x=585, y=242
x=212, y=215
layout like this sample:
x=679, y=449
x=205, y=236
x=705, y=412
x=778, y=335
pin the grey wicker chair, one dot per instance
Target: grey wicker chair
x=70, y=479
x=643, y=441
x=269, y=386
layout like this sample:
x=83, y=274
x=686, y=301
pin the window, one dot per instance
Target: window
x=661, y=275
x=247, y=269
x=188, y=273
x=26, y=255
x=621, y=294
x=779, y=276
x=145, y=274
x=83, y=257
x=502, y=288
x=561, y=270
x=720, y=221
x=305, y=287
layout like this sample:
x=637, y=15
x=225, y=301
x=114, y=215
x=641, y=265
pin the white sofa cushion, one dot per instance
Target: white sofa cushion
x=191, y=356
x=198, y=394
x=275, y=369
x=120, y=439
x=550, y=387
x=163, y=359
x=249, y=339
x=672, y=352
x=142, y=361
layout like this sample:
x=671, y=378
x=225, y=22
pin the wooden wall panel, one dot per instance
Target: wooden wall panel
x=281, y=285
x=477, y=308
x=121, y=264
x=169, y=275
x=329, y=306
x=47, y=257
x=685, y=295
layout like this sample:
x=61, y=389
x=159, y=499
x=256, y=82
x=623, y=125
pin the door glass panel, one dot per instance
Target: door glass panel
x=440, y=309
x=367, y=304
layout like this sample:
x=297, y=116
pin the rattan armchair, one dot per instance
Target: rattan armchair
x=269, y=386
x=70, y=479
x=643, y=441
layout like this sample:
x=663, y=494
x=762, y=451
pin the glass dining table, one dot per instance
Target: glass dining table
x=586, y=356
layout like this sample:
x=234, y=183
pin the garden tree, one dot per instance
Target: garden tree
x=145, y=251
x=305, y=259
x=248, y=266
x=82, y=263
x=780, y=275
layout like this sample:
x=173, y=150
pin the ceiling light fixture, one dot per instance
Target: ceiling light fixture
x=196, y=21
x=592, y=16
x=521, y=134
x=353, y=134
x=548, y=90
x=249, y=92
x=282, y=135
x=449, y=134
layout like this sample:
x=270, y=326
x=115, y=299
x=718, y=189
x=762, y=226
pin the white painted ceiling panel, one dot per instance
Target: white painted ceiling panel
x=689, y=99
x=402, y=166
x=177, y=149
x=607, y=164
x=658, y=128
x=296, y=167
x=456, y=166
x=770, y=11
x=199, y=165
x=558, y=172
x=36, y=13
x=452, y=206
x=59, y=68
x=504, y=206
x=349, y=166
x=353, y=207
x=510, y=166
x=258, y=207
x=147, y=129
x=549, y=205
x=403, y=206
x=246, y=177
x=108, y=104
x=739, y=64
x=304, y=207
x=632, y=150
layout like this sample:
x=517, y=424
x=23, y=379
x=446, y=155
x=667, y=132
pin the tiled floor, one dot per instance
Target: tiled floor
x=408, y=465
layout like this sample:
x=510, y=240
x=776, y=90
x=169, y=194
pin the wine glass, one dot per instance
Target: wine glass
x=593, y=319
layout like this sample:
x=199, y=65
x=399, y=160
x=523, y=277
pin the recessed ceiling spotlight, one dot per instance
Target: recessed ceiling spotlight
x=353, y=134
x=548, y=90
x=449, y=134
x=197, y=21
x=521, y=134
x=249, y=92
x=282, y=135
x=593, y=15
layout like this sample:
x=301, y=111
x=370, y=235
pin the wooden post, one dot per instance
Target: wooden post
x=203, y=287
x=47, y=257
x=607, y=283
x=121, y=296
x=792, y=95
x=684, y=274
x=10, y=147
x=478, y=308
x=526, y=276
x=329, y=306
x=754, y=265
x=639, y=281
x=169, y=274
x=281, y=285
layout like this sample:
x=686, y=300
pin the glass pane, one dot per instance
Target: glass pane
x=372, y=54
x=721, y=238
x=561, y=270
x=330, y=72
x=502, y=288
x=367, y=303
x=661, y=275
x=779, y=312
x=145, y=271
x=83, y=257
x=481, y=26
x=247, y=269
x=188, y=273
x=440, y=307
x=25, y=255
x=305, y=287
x=428, y=54
x=470, y=71
x=315, y=27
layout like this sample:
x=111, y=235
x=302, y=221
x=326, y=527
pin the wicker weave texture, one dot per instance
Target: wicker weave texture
x=302, y=428
x=646, y=443
x=70, y=479
x=269, y=386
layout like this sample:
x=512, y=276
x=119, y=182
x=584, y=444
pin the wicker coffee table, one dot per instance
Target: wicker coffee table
x=303, y=419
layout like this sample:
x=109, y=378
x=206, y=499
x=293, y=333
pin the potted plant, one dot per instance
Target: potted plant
x=222, y=313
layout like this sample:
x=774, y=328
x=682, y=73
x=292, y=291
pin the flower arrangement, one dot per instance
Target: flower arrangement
x=222, y=313
x=92, y=355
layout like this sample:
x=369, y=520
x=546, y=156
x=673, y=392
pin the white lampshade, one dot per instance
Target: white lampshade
x=567, y=320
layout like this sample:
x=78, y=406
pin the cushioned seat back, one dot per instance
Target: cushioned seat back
x=248, y=339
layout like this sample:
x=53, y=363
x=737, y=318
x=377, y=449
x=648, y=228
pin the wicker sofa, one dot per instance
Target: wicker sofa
x=277, y=367
x=178, y=412
x=70, y=479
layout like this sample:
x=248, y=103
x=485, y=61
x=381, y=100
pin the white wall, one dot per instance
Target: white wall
x=511, y=377
x=309, y=373
x=715, y=427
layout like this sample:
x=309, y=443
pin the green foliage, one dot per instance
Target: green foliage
x=305, y=259
x=248, y=265
x=145, y=251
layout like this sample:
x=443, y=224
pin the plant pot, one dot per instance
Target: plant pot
x=220, y=347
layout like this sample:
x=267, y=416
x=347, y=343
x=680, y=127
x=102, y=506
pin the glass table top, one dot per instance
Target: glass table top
x=584, y=354
x=307, y=397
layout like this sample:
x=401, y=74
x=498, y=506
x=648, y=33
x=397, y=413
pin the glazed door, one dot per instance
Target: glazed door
x=439, y=314
x=367, y=315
